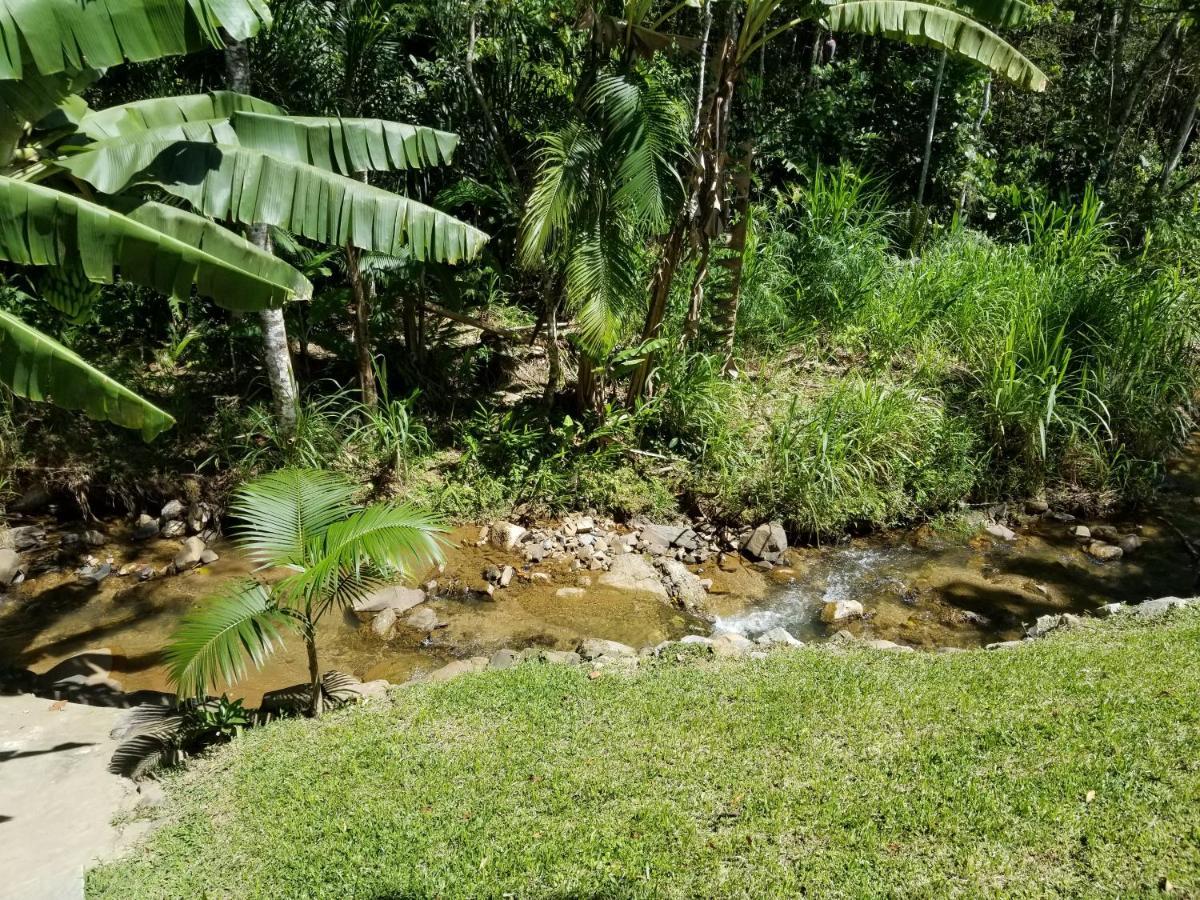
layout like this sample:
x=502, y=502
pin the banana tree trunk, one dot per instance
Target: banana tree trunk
x=277, y=354
x=930, y=129
x=727, y=312
x=362, y=290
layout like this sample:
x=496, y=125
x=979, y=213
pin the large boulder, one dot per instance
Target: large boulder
x=766, y=542
x=172, y=510
x=506, y=535
x=659, y=538
x=394, y=597
x=684, y=587
x=632, y=572
x=10, y=566
x=593, y=648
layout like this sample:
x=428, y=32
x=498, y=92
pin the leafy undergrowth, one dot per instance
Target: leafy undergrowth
x=1069, y=767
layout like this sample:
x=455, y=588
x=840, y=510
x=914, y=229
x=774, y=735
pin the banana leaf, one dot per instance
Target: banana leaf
x=39, y=368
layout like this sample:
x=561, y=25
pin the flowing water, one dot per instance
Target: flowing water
x=918, y=587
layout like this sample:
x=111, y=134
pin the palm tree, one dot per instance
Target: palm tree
x=74, y=181
x=303, y=524
x=750, y=26
x=603, y=180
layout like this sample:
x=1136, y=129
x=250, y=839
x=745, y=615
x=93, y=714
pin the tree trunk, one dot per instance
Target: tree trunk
x=1133, y=90
x=929, y=131
x=976, y=134
x=706, y=22
x=316, y=700
x=586, y=384
x=736, y=263
x=554, y=379
x=362, y=290
x=1181, y=140
x=277, y=355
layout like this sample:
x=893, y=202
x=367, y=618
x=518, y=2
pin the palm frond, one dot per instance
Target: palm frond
x=283, y=512
x=213, y=643
x=152, y=740
x=565, y=162
x=601, y=276
x=382, y=539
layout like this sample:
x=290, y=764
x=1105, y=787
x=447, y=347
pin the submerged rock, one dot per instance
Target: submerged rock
x=632, y=572
x=384, y=623
x=1103, y=552
x=423, y=619
x=394, y=597
x=1130, y=543
x=839, y=610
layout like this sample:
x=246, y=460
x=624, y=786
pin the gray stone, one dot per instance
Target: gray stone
x=27, y=537
x=10, y=565
x=369, y=690
x=584, y=525
x=1110, y=609
x=1044, y=625
x=1004, y=645
x=504, y=659
x=208, y=557
x=1106, y=533
x=172, y=511
x=506, y=535
x=506, y=576
x=662, y=535
x=1036, y=506
x=395, y=597
x=1103, y=552
x=198, y=515
x=756, y=545
x=1152, y=609
x=880, y=644
x=839, y=610
x=591, y=648
x=1082, y=533
x=6, y=540
x=145, y=528
x=423, y=619
x=94, y=538
x=173, y=529
x=94, y=574
x=696, y=639
x=995, y=529
x=459, y=667
x=1130, y=543
x=384, y=623
x=189, y=556
x=778, y=541
x=778, y=636
x=728, y=643
x=684, y=586
x=632, y=572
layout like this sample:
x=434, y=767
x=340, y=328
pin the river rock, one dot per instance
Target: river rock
x=94, y=574
x=506, y=535
x=880, y=644
x=384, y=623
x=569, y=593
x=778, y=636
x=189, y=556
x=1103, y=552
x=1106, y=533
x=1152, y=609
x=10, y=565
x=1082, y=533
x=591, y=648
x=1130, y=543
x=1044, y=625
x=553, y=657
x=6, y=539
x=173, y=529
x=1036, y=506
x=198, y=515
x=208, y=557
x=729, y=643
x=506, y=576
x=659, y=538
x=684, y=586
x=504, y=659
x=840, y=610
x=632, y=572
x=423, y=619
x=995, y=529
x=145, y=528
x=394, y=597
x=766, y=542
x=1004, y=645
x=585, y=525
x=27, y=537
x=459, y=667
x=172, y=510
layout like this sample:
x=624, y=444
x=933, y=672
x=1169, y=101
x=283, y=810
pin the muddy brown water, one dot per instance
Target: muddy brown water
x=919, y=587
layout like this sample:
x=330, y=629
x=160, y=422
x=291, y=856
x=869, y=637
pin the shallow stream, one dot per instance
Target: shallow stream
x=918, y=587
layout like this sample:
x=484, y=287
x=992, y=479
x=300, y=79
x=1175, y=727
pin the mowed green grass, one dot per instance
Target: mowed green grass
x=1069, y=767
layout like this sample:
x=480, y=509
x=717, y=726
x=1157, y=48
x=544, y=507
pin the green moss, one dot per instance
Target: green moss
x=1066, y=768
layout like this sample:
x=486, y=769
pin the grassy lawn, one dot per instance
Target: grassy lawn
x=1069, y=767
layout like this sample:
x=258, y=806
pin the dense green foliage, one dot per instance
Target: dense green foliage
x=1031, y=327
x=1064, y=768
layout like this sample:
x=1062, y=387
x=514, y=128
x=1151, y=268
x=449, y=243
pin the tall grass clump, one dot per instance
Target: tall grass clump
x=817, y=252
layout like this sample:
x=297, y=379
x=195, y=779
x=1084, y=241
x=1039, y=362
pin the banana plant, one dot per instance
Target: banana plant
x=77, y=185
x=751, y=26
